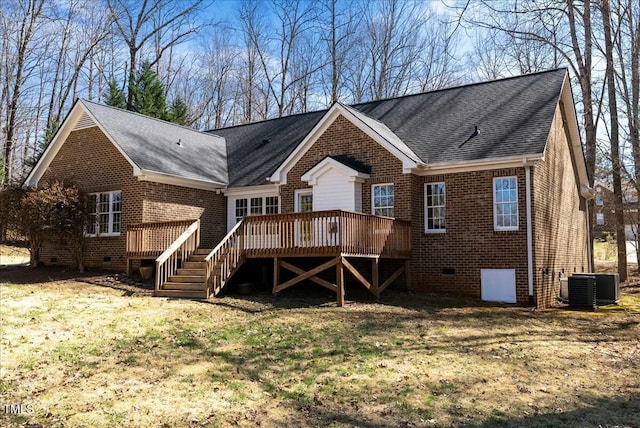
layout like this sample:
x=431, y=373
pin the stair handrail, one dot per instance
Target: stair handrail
x=177, y=253
x=212, y=258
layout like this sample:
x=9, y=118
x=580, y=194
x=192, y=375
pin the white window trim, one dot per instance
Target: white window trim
x=495, y=206
x=297, y=194
x=426, y=218
x=373, y=207
x=97, y=225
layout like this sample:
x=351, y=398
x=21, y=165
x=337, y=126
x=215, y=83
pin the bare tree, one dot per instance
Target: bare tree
x=165, y=22
x=626, y=14
x=615, y=141
x=27, y=16
x=393, y=46
x=567, y=28
x=276, y=48
x=338, y=27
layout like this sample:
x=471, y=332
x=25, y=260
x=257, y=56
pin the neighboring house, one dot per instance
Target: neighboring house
x=478, y=190
x=605, y=217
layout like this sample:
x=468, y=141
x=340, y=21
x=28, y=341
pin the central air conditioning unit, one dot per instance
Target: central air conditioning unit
x=607, y=288
x=582, y=291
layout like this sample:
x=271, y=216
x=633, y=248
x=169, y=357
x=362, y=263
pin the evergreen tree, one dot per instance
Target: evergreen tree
x=115, y=95
x=178, y=111
x=148, y=97
x=149, y=93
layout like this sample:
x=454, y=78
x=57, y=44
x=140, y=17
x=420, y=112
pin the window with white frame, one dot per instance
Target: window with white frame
x=304, y=200
x=382, y=200
x=105, y=213
x=256, y=206
x=435, y=207
x=242, y=208
x=271, y=205
x=505, y=203
x=600, y=219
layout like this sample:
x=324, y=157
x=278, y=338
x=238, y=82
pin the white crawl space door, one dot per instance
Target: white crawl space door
x=498, y=285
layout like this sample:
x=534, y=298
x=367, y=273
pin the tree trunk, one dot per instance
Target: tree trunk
x=621, y=239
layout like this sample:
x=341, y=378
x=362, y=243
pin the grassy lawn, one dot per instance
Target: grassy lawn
x=13, y=255
x=89, y=356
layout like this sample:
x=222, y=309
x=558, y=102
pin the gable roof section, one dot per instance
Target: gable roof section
x=349, y=169
x=255, y=150
x=513, y=115
x=149, y=145
x=374, y=129
x=352, y=163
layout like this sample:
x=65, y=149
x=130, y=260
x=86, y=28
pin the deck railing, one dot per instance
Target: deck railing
x=148, y=240
x=177, y=253
x=328, y=233
x=224, y=259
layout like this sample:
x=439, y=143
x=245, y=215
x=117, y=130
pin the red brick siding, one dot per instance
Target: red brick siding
x=344, y=138
x=91, y=161
x=559, y=218
x=88, y=159
x=470, y=242
x=163, y=202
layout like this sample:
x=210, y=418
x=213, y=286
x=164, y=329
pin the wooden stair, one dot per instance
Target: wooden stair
x=190, y=281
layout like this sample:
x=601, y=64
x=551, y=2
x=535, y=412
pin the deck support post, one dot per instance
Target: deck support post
x=276, y=274
x=407, y=274
x=340, y=282
x=375, y=276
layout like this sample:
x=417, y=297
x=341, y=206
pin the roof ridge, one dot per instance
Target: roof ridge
x=267, y=120
x=353, y=106
x=166, y=122
x=464, y=85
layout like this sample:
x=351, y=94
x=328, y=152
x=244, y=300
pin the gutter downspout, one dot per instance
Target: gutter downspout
x=529, y=229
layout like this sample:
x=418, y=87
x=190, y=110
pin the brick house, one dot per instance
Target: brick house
x=478, y=190
x=605, y=218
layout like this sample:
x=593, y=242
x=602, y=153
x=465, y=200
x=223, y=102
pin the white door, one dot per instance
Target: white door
x=304, y=228
x=498, y=285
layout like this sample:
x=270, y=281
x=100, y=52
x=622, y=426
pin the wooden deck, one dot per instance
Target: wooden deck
x=334, y=234
x=325, y=234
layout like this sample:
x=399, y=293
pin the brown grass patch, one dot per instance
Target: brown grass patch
x=10, y=254
x=84, y=355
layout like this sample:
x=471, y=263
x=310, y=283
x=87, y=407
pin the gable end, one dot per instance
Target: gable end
x=408, y=162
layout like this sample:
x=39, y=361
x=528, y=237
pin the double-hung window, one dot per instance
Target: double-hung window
x=505, y=203
x=105, y=213
x=382, y=199
x=435, y=207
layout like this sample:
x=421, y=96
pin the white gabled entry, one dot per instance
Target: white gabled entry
x=335, y=185
x=498, y=285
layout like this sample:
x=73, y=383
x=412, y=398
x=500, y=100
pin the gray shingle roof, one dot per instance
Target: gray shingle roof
x=152, y=144
x=513, y=116
x=251, y=158
x=383, y=130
